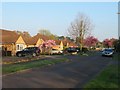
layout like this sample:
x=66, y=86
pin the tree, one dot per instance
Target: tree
x=45, y=32
x=47, y=46
x=91, y=41
x=24, y=33
x=113, y=42
x=109, y=42
x=48, y=33
x=61, y=37
x=53, y=37
x=80, y=28
x=106, y=43
x=117, y=45
x=70, y=39
x=18, y=32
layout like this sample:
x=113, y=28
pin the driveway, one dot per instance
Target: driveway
x=74, y=74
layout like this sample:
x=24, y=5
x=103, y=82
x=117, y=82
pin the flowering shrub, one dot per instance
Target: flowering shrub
x=47, y=46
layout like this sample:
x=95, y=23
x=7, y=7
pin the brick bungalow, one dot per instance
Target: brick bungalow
x=11, y=41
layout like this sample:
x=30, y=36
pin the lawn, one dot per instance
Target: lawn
x=116, y=56
x=27, y=65
x=108, y=78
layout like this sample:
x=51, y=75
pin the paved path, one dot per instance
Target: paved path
x=74, y=74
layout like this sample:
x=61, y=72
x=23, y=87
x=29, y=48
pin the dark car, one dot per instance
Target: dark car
x=71, y=50
x=75, y=50
x=34, y=51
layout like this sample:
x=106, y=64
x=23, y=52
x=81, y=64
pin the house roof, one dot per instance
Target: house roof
x=12, y=37
x=70, y=43
x=28, y=40
x=8, y=37
x=65, y=41
x=40, y=36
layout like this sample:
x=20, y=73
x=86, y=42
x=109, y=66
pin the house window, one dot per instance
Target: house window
x=19, y=47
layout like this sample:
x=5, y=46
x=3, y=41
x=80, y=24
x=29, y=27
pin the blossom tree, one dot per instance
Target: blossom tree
x=109, y=42
x=106, y=42
x=47, y=46
x=90, y=41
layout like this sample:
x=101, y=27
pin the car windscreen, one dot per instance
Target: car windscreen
x=109, y=50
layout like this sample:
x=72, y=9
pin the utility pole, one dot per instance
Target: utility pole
x=118, y=20
x=118, y=25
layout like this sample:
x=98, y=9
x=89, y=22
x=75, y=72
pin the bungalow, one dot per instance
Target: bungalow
x=11, y=41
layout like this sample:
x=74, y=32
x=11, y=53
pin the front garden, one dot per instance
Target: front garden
x=11, y=68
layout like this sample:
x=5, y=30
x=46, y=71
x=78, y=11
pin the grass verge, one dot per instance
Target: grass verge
x=116, y=56
x=22, y=66
x=106, y=79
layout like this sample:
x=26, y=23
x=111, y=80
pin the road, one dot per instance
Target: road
x=74, y=74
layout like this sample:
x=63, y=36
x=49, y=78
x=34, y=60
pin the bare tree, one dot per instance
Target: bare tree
x=80, y=28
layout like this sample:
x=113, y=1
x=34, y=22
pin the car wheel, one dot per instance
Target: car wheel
x=34, y=54
x=19, y=55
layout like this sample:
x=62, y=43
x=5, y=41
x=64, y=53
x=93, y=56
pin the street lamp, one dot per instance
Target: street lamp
x=118, y=25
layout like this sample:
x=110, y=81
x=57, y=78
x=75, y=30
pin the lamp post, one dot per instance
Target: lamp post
x=118, y=25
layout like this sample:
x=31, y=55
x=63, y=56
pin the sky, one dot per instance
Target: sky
x=57, y=16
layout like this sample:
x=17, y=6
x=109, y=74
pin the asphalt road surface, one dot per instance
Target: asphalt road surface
x=74, y=74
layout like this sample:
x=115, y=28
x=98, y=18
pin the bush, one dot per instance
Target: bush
x=84, y=49
x=117, y=46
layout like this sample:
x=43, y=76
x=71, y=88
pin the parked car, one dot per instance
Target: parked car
x=34, y=51
x=72, y=50
x=107, y=52
x=56, y=51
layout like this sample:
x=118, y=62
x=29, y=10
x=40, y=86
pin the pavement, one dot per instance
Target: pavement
x=74, y=74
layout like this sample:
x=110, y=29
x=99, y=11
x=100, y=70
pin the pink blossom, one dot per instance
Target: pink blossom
x=90, y=41
x=48, y=43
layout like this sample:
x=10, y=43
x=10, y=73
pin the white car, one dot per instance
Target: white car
x=56, y=51
x=107, y=52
